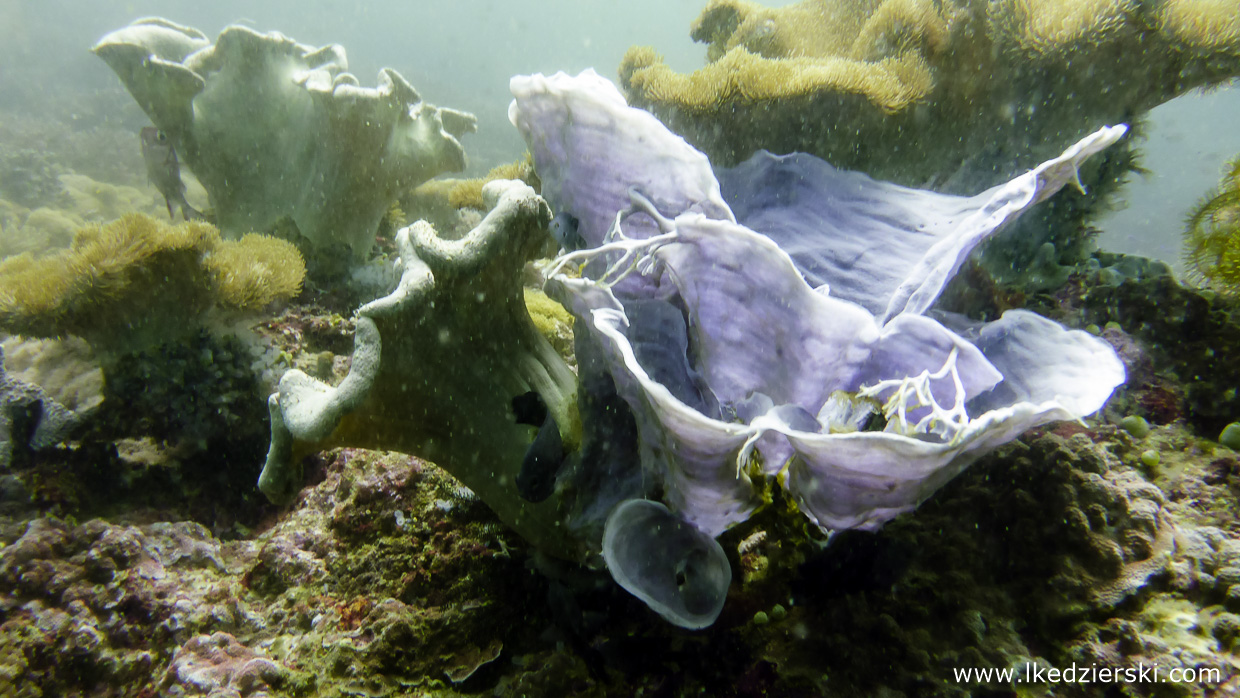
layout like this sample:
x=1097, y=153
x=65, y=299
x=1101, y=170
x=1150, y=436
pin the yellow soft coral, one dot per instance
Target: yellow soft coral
x=742, y=76
x=137, y=281
x=1201, y=25
x=920, y=91
x=1047, y=27
x=467, y=193
x=760, y=54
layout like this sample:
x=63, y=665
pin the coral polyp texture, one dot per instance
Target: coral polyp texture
x=952, y=93
x=275, y=129
x=1212, y=238
x=135, y=282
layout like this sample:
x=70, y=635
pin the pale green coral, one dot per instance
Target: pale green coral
x=436, y=365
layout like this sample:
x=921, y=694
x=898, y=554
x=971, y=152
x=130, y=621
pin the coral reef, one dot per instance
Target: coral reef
x=175, y=429
x=68, y=140
x=750, y=364
x=918, y=91
x=1212, y=236
x=27, y=178
x=136, y=282
x=388, y=576
x=29, y=418
x=64, y=369
x=274, y=129
x=437, y=364
x=956, y=96
x=400, y=576
x=79, y=201
x=217, y=664
x=1194, y=337
x=772, y=325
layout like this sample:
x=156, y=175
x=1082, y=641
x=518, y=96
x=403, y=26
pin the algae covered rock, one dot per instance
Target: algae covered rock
x=1230, y=437
x=275, y=129
x=136, y=282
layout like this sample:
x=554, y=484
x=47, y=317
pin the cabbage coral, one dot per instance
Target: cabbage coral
x=275, y=129
x=436, y=365
x=1212, y=238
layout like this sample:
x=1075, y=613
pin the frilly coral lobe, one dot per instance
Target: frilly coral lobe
x=273, y=128
x=860, y=403
x=436, y=364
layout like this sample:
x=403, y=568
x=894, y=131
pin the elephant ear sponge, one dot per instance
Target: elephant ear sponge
x=1212, y=237
x=136, y=282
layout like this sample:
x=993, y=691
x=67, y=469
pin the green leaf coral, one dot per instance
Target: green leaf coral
x=1212, y=237
x=136, y=282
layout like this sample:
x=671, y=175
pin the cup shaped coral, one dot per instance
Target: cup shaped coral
x=276, y=129
x=735, y=366
x=136, y=282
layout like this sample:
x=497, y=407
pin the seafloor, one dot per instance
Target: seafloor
x=138, y=559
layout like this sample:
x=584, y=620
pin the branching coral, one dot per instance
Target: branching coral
x=136, y=281
x=276, y=129
x=1212, y=238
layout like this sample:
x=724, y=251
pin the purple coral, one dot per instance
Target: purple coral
x=859, y=403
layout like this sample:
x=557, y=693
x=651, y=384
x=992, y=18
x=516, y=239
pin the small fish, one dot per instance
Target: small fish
x=564, y=230
x=543, y=458
x=163, y=170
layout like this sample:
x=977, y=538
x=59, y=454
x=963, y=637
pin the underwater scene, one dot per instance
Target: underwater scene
x=736, y=348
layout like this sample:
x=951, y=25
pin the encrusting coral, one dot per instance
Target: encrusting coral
x=1212, y=237
x=274, y=129
x=136, y=282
